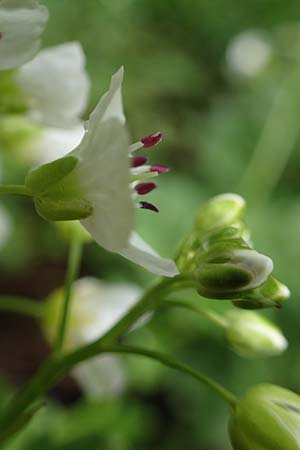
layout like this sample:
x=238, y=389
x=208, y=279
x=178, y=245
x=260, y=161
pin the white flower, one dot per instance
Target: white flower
x=248, y=53
x=56, y=85
x=100, y=182
x=21, y=25
x=96, y=307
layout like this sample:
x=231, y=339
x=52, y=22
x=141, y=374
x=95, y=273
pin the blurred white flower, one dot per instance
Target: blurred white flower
x=96, y=307
x=248, y=53
x=52, y=143
x=95, y=183
x=56, y=85
x=5, y=226
x=21, y=25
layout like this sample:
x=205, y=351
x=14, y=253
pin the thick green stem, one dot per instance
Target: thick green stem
x=72, y=271
x=58, y=365
x=15, y=189
x=22, y=305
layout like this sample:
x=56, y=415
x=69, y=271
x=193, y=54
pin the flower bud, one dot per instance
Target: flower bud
x=56, y=191
x=251, y=335
x=221, y=211
x=266, y=418
x=228, y=270
x=271, y=293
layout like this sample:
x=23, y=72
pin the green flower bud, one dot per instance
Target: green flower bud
x=251, y=335
x=56, y=191
x=221, y=211
x=271, y=293
x=266, y=418
x=228, y=271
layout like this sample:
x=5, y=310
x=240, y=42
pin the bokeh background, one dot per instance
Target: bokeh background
x=221, y=79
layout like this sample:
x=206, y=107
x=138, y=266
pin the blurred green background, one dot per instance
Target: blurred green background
x=221, y=80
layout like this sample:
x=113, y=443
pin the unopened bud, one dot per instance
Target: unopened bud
x=266, y=418
x=251, y=335
x=228, y=271
x=271, y=294
x=221, y=211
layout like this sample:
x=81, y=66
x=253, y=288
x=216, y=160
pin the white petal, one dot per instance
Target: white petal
x=104, y=176
x=101, y=377
x=141, y=253
x=110, y=105
x=21, y=24
x=53, y=143
x=57, y=84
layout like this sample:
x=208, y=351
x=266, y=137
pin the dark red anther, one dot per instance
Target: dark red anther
x=160, y=169
x=144, y=188
x=137, y=161
x=151, y=140
x=150, y=206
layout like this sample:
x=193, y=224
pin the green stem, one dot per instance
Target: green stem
x=177, y=365
x=212, y=316
x=22, y=305
x=72, y=272
x=16, y=189
x=58, y=365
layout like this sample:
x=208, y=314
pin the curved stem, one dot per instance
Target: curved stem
x=177, y=365
x=72, y=271
x=22, y=305
x=60, y=364
x=16, y=189
x=212, y=316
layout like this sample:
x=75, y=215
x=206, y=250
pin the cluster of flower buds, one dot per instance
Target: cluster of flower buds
x=266, y=418
x=220, y=254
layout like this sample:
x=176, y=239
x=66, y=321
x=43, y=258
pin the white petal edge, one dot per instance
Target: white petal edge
x=139, y=252
x=57, y=84
x=21, y=25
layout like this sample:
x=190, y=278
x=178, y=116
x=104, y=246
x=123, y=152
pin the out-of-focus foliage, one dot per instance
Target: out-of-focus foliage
x=215, y=121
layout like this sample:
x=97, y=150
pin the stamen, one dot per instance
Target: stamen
x=151, y=140
x=137, y=175
x=160, y=169
x=144, y=188
x=137, y=161
x=150, y=206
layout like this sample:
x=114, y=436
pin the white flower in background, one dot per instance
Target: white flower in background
x=52, y=143
x=248, y=53
x=96, y=307
x=5, y=226
x=21, y=25
x=100, y=182
x=56, y=85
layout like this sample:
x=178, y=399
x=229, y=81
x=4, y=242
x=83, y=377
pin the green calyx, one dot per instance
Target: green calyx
x=56, y=191
x=266, y=418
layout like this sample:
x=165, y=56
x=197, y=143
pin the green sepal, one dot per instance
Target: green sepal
x=46, y=176
x=62, y=209
x=222, y=281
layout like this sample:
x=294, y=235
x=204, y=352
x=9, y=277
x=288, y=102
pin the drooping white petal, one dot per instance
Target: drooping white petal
x=138, y=251
x=21, y=25
x=104, y=176
x=57, y=84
